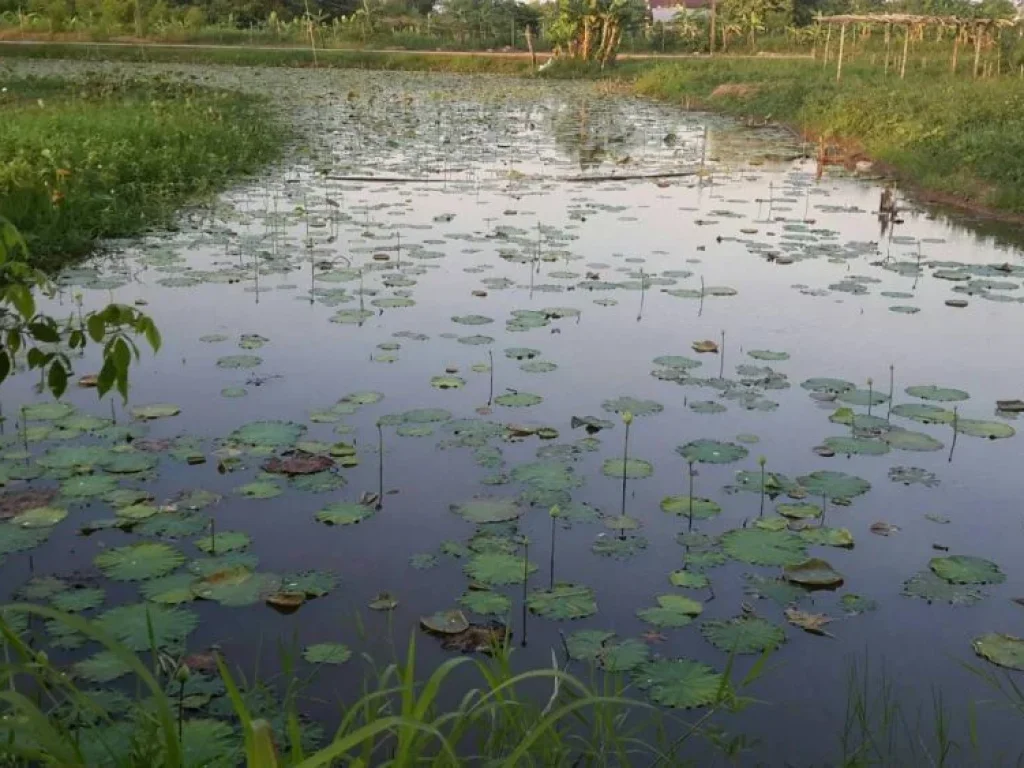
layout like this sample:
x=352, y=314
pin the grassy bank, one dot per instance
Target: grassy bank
x=88, y=159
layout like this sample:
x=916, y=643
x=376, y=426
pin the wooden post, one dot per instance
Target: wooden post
x=977, y=49
x=906, y=50
x=842, y=41
x=714, y=18
x=888, y=45
x=956, y=50
x=828, y=42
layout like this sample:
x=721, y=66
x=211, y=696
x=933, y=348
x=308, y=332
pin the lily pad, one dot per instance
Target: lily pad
x=924, y=413
x=498, y=568
x=39, y=517
x=938, y=394
x=743, y=634
x=712, y=452
x=140, y=561
x=235, y=362
x=828, y=537
x=813, y=573
x=1001, y=649
x=834, y=485
x=486, y=602
x=759, y=547
x=606, y=651
x=344, y=513
x=993, y=430
x=154, y=411
x=688, y=579
x=563, y=602
x=268, y=434
x=488, y=510
x=130, y=625
x=618, y=547
x=173, y=589
x=633, y=406
x=236, y=586
x=102, y=667
x=447, y=382
x=223, y=542
x=327, y=653
x=927, y=586
x=966, y=569
x=671, y=611
x=908, y=440
x=702, y=509
x=518, y=400
x=679, y=683
x=79, y=599
x=634, y=469
x=799, y=511
x=856, y=446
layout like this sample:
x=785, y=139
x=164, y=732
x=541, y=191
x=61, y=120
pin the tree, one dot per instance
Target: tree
x=45, y=343
x=591, y=30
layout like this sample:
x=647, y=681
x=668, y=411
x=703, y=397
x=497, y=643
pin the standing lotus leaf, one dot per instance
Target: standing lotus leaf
x=1003, y=650
x=743, y=634
x=671, y=611
x=813, y=573
x=966, y=569
x=760, y=547
x=680, y=683
x=711, y=452
x=563, y=602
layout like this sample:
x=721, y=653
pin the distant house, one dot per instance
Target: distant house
x=664, y=10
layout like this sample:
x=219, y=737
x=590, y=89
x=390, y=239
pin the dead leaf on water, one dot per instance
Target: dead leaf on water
x=809, y=622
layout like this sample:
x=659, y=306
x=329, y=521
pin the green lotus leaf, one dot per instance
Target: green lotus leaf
x=260, y=489
x=452, y=622
x=711, y=452
x=606, y=651
x=993, y=430
x=498, y=568
x=206, y=566
x=927, y=586
x=702, y=509
x=688, y=579
x=966, y=569
x=799, y=511
x=924, y=413
x=938, y=394
x=140, y=561
x=327, y=653
x=774, y=483
x=74, y=457
x=743, y=634
x=14, y=538
x=835, y=386
x=223, y=542
x=538, y=366
x=486, y=602
x=312, y=583
x=154, y=411
x=547, y=476
x=634, y=469
x=173, y=589
x=236, y=362
x=268, y=434
x=173, y=525
x=423, y=561
x=760, y=547
x=518, y=400
x=236, y=586
x=344, y=513
x=856, y=446
x=1003, y=650
x=767, y=354
x=78, y=599
x=137, y=512
x=856, y=604
x=776, y=523
x=679, y=683
x=672, y=611
x=707, y=407
x=834, y=485
x=828, y=537
x=488, y=510
x=911, y=475
x=778, y=590
x=618, y=547
x=701, y=560
x=128, y=462
x=447, y=382
x=47, y=411
x=677, y=362
x=813, y=572
x=908, y=440
x=472, y=320
x=39, y=517
x=102, y=667
x=132, y=625
x=633, y=406
x=521, y=353
x=862, y=397
x=42, y=588
x=87, y=486
x=563, y=602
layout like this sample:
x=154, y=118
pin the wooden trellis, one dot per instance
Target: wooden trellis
x=981, y=28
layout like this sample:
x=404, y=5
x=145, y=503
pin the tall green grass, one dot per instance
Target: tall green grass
x=81, y=160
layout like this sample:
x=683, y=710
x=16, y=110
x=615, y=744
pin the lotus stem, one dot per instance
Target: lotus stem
x=554, y=520
x=892, y=382
x=490, y=396
x=380, y=466
x=762, y=461
x=24, y=428
x=526, y=582
x=956, y=419
x=213, y=537
x=721, y=358
x=824, y=508
x=689, y=468
x=625, y=458
x=871, y=395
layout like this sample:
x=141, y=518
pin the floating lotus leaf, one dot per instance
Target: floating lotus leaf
x=538, y=366
x=911, y=475
x=924, y=413
x=862, y=397
x=351, y=316
x=634, y=469
x=268, y=434
x=173, y=525
x=677, y=362
x=965, y=569
x=327, y=653
x=547, y=476
x=834, y=485
x=814, y=623
x=518, y=399
x=128, y=462
x=236, y=586
x=618, y=547
x=799, y=511
x=344, y=513
x=828, y=385
x=859, y=446
x=414, y=430
x=393, y=302
x=498, y=568
x=773, y=485
x=688, y=579
x=260, y=489
x=218, y=563
x=321, y=482
x=703, y=559
x=767, y=354
x=939, y=394
x=476, y=340
x=74, y=457
x=679, y=683
x=139, y=561
x=419, y=416
x=472, y=320
x=563, y=602
x=778, y=590
x=633, y=406
x=760, y=547
x=154, y=411
x=102, y=667
x=239, y=361
x=621, y=523
x=447, y=382
x=130, y=625
x=488, y=510
x=711, y=452
x=1003, y=650
x=993, y=430
x=42, y=588
x=47, y=411
x=672, y=611
x=486, y=602
x=772, y=523
x=87, y=486
x=423, y=561
x=813, y=573
x=223, y=542
x=173, y=589
x=312, y=583
x=606, y=651
x=908, y=440
x=136, y=512
x=856, y=604
x=743, y=634
x=39, y=517
x=78, y=599
x=707, y=406
x=927, y=586
x=828, y=537
x=702, y=509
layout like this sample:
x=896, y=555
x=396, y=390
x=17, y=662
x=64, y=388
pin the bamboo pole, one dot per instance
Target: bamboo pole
x=842, y=41
x=906, y=50
x=828, y=43
x=956, y=50
x=977, y=49
x=888, y=45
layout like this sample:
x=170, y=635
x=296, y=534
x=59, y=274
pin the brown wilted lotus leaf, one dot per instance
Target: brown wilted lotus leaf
x=13, y=504
x=286, y=602
x=808, y=622
x=705, y=346
x=298, y=463
x=477, y=638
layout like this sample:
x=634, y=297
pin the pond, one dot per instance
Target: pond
x=443, y=267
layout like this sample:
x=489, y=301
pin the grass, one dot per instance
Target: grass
x=81, y=160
